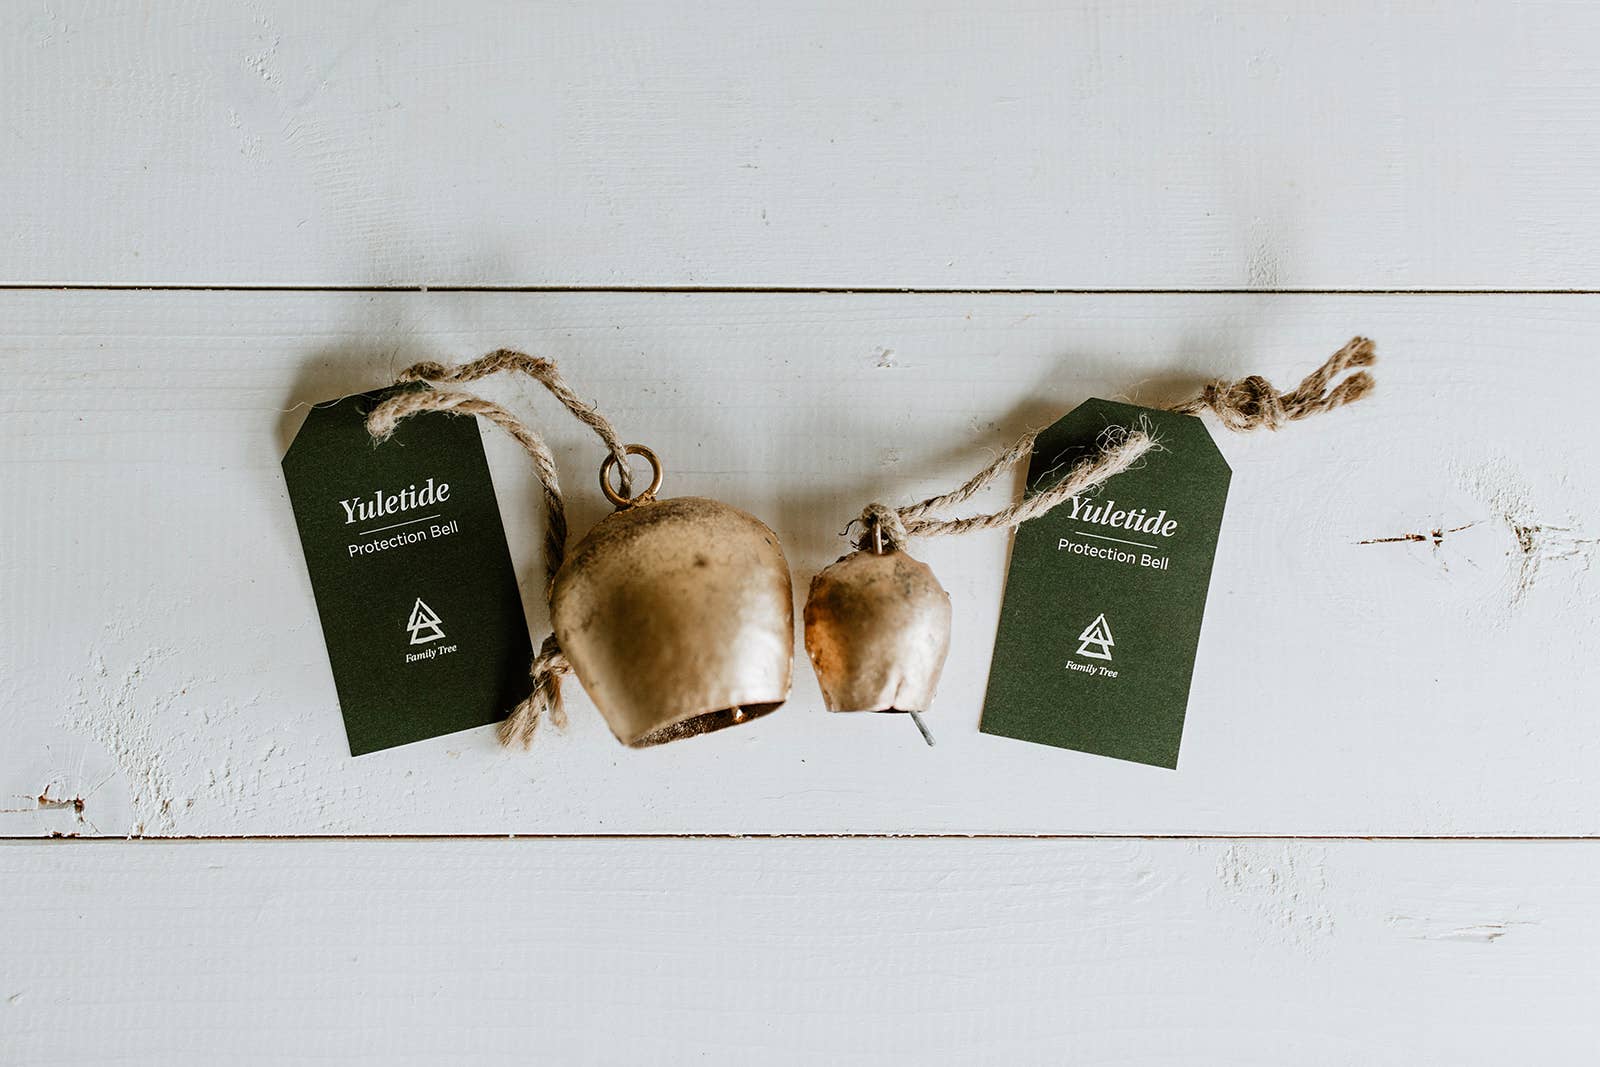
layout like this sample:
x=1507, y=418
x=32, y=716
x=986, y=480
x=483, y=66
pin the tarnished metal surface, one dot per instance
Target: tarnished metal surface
x=877, y=631
x=678, y=618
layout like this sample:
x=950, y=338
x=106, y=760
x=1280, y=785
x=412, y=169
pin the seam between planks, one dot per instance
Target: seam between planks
x=780, y=290
x=1530, y=838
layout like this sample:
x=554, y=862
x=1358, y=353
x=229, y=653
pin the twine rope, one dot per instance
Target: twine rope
x=550, y=664
x=1250, y=403
x=544, y=372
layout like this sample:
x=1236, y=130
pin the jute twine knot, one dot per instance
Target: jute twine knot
x=549, y=665
x=882, y=530
x=1253, y=403
x=1250, y=403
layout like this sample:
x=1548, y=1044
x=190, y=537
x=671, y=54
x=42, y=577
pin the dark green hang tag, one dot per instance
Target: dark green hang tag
x=1103, y=603
x=413, y=580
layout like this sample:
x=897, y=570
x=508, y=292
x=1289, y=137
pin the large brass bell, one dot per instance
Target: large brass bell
x=676, y=615
x=877, y=630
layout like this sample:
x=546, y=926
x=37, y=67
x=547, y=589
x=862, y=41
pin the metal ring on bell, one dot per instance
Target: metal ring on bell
x=616, y=498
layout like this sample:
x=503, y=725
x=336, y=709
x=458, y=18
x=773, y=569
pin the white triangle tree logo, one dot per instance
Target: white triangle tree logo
x=1096, y=634
x=424, y=624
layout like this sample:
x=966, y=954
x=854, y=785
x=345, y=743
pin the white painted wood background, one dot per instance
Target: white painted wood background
x=855, y=952
x=276, y=166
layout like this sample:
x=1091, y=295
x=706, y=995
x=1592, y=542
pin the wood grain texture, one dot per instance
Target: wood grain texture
x=1358, y=674
x=800, y=952
x=1008, y=144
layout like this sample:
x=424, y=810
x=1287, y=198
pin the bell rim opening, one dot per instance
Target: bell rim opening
x=698, y=723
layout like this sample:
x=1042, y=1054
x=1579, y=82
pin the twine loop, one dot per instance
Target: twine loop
x=550, y=664
x=541, y=370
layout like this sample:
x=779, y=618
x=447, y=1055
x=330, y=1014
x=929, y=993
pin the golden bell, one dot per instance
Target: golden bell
x=877, y=630
x=676, y=615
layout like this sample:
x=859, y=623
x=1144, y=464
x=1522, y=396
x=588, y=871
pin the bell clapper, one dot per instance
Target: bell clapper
x=926, y=736
x=738, y=714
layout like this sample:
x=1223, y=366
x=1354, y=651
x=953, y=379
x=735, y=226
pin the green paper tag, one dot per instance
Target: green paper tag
x=413, y=580
x=1105, y=595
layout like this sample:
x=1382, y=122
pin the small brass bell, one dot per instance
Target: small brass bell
x=676, y=615
x=877, y=630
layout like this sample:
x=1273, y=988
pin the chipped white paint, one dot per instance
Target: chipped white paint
x=165, y=660
x=859, y=952
x=1283, y=884
x=1010, y=143
x=125, y=724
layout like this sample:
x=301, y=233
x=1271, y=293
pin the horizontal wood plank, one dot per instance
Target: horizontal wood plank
x=162, y=658
x=800, y=952
x=1009, y=144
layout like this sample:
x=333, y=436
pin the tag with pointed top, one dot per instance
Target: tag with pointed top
x=411, y=573
x=1104, y=599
